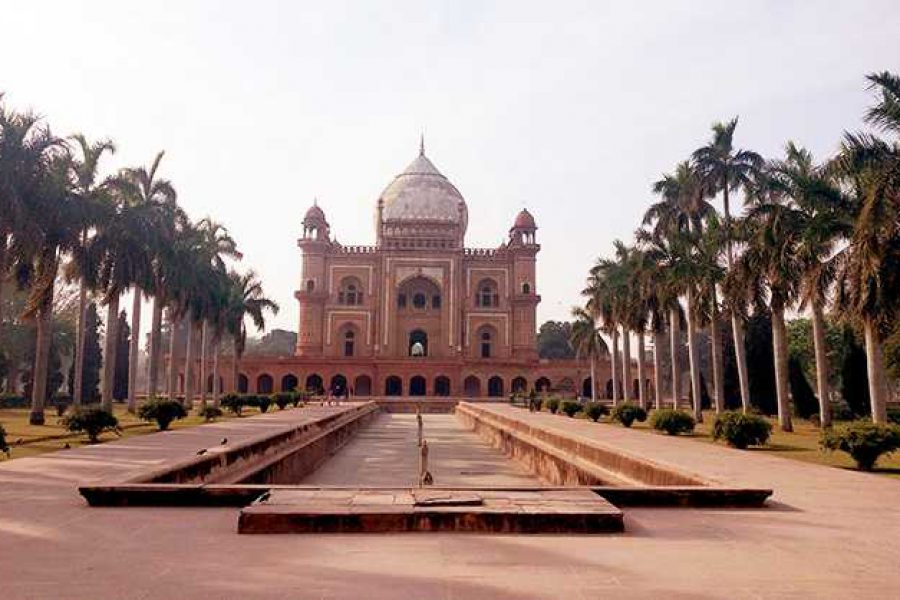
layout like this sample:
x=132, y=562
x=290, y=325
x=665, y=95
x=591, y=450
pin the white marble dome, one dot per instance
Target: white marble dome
x=421, y=194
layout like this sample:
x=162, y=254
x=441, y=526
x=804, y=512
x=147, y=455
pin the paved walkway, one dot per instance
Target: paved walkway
x=829, y=534
x=385, y=454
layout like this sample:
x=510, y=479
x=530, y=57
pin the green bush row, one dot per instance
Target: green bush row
x=236, y=402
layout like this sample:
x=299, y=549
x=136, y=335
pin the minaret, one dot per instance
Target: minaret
x=523, y=249
x=315, y=245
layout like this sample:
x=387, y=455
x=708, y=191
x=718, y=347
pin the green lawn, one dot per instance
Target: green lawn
x=802, y=444
x=25, y=439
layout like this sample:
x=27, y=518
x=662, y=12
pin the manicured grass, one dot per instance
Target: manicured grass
x=802, y=444
x=34, y=438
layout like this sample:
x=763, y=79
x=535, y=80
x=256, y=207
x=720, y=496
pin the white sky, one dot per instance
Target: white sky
x=569, y=108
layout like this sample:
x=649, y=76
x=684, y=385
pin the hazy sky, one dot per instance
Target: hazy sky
x=569, y=108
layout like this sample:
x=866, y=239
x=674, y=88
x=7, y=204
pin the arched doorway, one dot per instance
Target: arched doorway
x=393, y=386
x=418, y=343
x=587, y=387
x=542, y=384
x=289, y=383
x=472, y=386
x=417, y=386
x=265, y=384
x=519, y=385
x=495, y=386
x=209, y=384
x=314, y=384
x=243, y=384
x=338, y=385
x=362, y=386
x=441, y=385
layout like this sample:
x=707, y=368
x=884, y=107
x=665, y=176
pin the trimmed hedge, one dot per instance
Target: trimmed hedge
x=864, y=441
x=233, y=402
x=570, y=407
x=13, y=401
x=210, y=412
x=627, y=413
x=91, y=420
x=595, y=410
x=551, y=404
x=740, y=430
x=161, y=410
x=672, y=422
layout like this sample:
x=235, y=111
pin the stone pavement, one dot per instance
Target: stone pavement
x=829, y=533
x=385, y=454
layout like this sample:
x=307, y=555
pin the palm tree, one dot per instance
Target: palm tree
x=708, y=249
x=95, y=198
x=587, y=342
x=246, y=299
x=823, y=215
x=726, y=169
x=43, y=220
x=869, y=268
x=143, y=187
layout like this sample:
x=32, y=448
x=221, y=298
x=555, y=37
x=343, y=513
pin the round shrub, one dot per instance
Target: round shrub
x=672, y=422
x=570, y=408
x=91, y=420
x=4, y=445
x=282, y=399
x=233, y=403
x=595, y=410
x=864, y=441
x=627, y=413
x=161, y=410
x=210, y=412
x=263, y=403
x=551, y=404
x=740, y=430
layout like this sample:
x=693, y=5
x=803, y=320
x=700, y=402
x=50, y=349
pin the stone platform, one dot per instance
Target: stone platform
x=430, y=510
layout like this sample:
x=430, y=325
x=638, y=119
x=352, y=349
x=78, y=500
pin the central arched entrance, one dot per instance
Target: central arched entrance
x=495, y=387
x=441, y=385
x=339, y=385
x=472, y=386
x=314, y=384
x=393, y=386
x=417, y=386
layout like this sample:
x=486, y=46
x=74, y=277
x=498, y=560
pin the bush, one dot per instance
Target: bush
x=13, y=401
x=282, y=399
x=864, y=441
x=161, y=410
x=740, y=430
x=263, y=403
x=893, y=416
x=571, y=407
x=233, y=402
x=298, y=397
x=672, y=422
x=840, y=411
x=627, y=413
x=551, y=404
x=4, y=445
x=210, y=412
x=92, y=420
x=595, y=410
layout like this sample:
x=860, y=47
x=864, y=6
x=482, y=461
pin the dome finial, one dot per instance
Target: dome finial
x=422, y=144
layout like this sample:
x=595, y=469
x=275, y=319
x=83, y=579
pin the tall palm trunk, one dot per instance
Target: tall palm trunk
x=818, y=324
x=694, y=358
x=593, y=377
x=203, y=364
x=875, y=371
x=779, y=346
x=133, y=349
x=626, y=364
x=155, y=348
x=3, y=244
x=657, y=368
x=174, y=321
x=80, y=337
x=189, y=364
x=642, y=396
x=109, y=353
x=217, y=387
x=718, y=366
x=41, y=361
x=737, y=326
x=673, y=353
x=615, y=369
x=235, y=367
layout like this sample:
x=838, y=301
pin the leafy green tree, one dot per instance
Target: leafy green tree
x=93, y=357
x=761, y=363
x=553, y=340
x=854, y=383
x=804, y=399
x=123, y=342
x=588, y=343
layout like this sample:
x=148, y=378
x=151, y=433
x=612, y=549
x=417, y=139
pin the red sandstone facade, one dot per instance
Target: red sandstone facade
x=418, y=313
